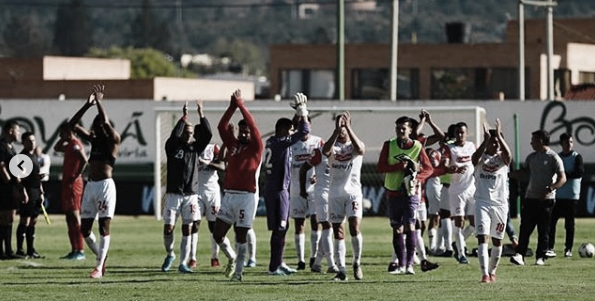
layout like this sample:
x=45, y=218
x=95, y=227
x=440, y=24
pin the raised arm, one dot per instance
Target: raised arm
x=358, y=145
x=202, y=131
x=438, y=133
x=328, y=146
x=504, y=148
x=175, y=137
x=482, y=147
x=250, y=123
x=226, y=135
x=79, y=114
x=107, y=126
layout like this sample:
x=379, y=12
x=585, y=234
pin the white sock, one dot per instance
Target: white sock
x=447, y=233
x=432, y=237
x=482, y=254
x=227, y=249
x=357, y=243
x=300, y=245
x=168, y=242
x=251, y=244
x=215, y=247
x=242, y=249
x=458, y=233
x=395, y=259
x=495, y=259
x=468, y=231
x=184, y=249
x=104, y=247
x=193, y=245
x=420, y=246
x=340, y=253
x=314, y=239
x=327, y=245
x=92, y=243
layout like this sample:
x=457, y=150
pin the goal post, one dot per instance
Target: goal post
x=373, y=122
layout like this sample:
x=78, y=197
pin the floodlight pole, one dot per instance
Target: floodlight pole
x=394, y=46
x=549, y=45
x=340, y=51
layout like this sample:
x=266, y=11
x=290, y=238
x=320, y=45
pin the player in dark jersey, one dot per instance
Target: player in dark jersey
x=29, y=211
x=182, y=183
x=9, y=201
x=99, y=197
x=277, y=163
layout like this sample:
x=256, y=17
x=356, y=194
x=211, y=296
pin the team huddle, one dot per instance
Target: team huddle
x=458, y=189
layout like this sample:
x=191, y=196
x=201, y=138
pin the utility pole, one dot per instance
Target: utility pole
x=340, y=49
x=549, y=4
x=394, y=46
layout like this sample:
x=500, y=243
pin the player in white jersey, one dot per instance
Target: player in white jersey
x=491, y=161
x=462, y=187
x=321, y=181
x=345, y=152
x=301, y=207
x=209, y=200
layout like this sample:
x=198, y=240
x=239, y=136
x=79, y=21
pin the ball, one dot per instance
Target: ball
x=586, y=250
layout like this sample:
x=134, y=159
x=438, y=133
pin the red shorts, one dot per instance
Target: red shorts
x=72, y=197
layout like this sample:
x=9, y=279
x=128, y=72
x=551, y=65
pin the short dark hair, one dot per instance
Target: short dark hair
x=565, y=136
x=404, y=119
x=26, y=136
x=283, y=123
x=543, y=135
x=9, y=125
x=242, y=122
x=461, y=124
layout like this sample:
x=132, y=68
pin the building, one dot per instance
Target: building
x=52, y=77
x=455, y=70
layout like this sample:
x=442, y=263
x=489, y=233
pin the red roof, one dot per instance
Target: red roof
x=581, y=92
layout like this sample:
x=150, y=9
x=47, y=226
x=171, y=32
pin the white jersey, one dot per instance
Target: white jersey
x=300, y=153
x=322, y=170
x=491, y=180
x=208, y=179
x=461, y=156
x=345, y=170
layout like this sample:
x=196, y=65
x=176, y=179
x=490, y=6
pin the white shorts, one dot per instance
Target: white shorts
x=209, y=203
x=180, y=205
x=300, y=207
x=344, y=206
x=99, y=199
x=433, y=189
x=463, y=203
x=238, y=207
x=321, y=206
x=490, y=219
x=444, y=199
x=421, y=214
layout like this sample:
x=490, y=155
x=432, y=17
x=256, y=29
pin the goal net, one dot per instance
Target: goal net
x=372, y=122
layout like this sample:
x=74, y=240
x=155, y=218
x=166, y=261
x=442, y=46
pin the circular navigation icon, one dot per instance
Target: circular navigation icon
x=20, y=166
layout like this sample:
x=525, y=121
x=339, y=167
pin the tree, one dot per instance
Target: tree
x=148, y=32
x=24, y=37
x=73, y=35
x=144, y=63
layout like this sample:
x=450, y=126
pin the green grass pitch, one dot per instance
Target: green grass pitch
x=137, y=252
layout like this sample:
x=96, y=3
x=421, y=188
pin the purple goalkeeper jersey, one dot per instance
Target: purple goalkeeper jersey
x=277, y=159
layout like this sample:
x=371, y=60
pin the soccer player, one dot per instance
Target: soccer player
x=321, y=181
x=8, y=182
x=568, y=195
x=303, y=207
x=277, y=163
x=209, y=199
x=75, y=160
x=491, y=161
x=239, y=201
x=546, y=174
x=461, y=190
x=405, y=164
x=185, y=143
x=29, y=211
x=345, y=152
x=99, y=196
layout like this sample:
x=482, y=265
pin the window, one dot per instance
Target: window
x=476, y=83
x=316, y=84
x=586, y=77
x=375, y=84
